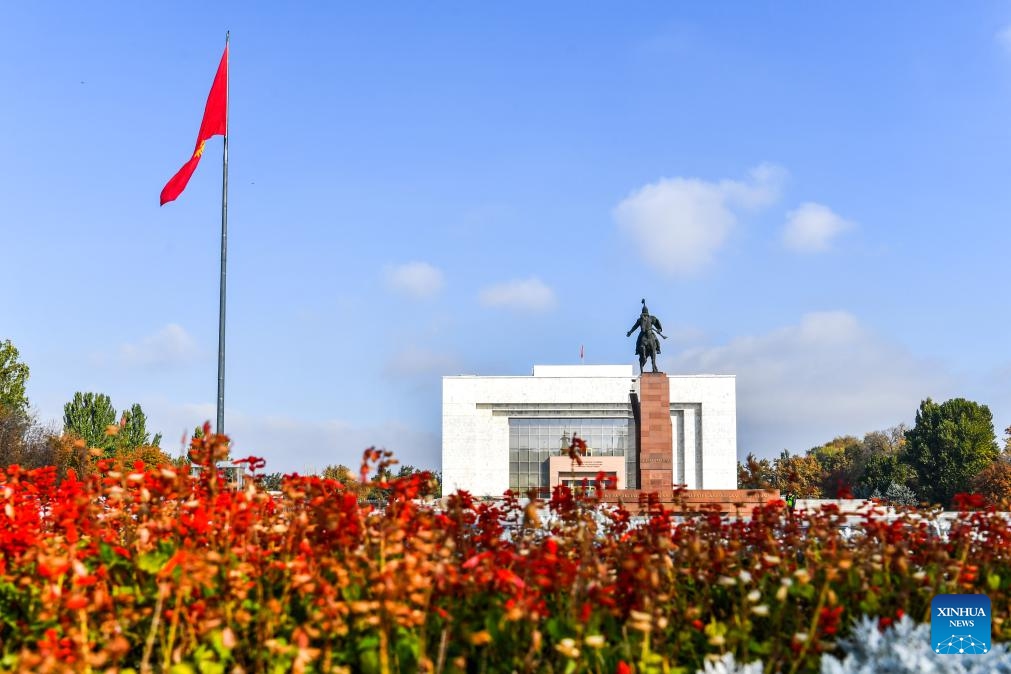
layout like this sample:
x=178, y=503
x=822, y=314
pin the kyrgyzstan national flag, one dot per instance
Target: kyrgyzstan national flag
x=215, y=124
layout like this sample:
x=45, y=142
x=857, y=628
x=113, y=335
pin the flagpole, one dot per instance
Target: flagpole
x=224, y=254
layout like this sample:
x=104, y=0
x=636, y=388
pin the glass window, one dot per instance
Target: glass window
x=532, y=440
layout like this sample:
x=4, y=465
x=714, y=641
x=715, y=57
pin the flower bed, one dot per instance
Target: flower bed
x=158, y=570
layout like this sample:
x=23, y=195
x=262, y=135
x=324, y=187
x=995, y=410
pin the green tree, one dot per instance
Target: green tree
x=949, y=444
x=88, y=416
x=343, y=474
x=13, y=376
x=133, y=432
x=408, y=471
x=17, y=428
x=271, y=481
x=340, y=472
x=836, y=459
x=876, y=462
x=881, y=470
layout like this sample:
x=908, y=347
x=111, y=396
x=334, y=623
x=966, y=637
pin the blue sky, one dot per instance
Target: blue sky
x=814, y=199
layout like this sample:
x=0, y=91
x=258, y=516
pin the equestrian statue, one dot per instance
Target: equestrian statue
x=647, y=345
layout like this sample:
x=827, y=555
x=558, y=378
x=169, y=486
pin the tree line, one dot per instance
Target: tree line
x=349, y=478
x=92, y=430
x=951, y=449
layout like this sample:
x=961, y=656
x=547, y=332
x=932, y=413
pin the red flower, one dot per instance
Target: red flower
x=963, y=501
x=622, y=668
x=829, y=619
x=844, y=492
x=76, y=602
x=507, y=576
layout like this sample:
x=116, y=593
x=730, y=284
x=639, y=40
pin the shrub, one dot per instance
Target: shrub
x=904, y=648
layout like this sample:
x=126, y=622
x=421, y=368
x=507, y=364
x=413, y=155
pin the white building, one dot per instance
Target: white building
x=499, y=433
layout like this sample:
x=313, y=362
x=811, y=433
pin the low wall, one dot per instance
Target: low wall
x=736, y=501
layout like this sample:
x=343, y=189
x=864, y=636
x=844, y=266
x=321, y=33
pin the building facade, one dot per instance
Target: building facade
x=506, y=432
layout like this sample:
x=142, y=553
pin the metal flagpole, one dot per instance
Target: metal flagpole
x=224, y=254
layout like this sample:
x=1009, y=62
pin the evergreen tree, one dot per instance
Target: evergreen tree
x=900, y=494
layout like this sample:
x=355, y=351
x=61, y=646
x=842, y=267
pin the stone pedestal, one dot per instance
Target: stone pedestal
x=656, y=438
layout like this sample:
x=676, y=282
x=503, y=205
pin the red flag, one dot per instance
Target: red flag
x=215, y=124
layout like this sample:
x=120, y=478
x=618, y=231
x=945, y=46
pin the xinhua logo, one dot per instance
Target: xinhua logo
x=960, y=624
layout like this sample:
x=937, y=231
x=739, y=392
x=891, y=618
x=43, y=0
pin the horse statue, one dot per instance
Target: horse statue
x=647, y=345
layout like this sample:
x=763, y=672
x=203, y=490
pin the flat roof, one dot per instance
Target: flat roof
x=584, y=371
x=573, y=371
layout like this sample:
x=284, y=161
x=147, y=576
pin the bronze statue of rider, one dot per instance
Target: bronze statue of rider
x=647, y=345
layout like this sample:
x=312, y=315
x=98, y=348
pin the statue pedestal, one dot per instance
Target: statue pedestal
x=656, y=435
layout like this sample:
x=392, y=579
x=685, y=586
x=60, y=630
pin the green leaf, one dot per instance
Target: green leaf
x=218, y=643
x=369, y=643
x=407, y=647
x=369, y=661
x=152, y=562
x=106, y=553
x=715, y=629
x=554, y=629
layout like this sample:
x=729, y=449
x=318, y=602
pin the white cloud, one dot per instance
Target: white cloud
x=812, y=227
x=414, y=361
x=290, y=444
x=170, y=346
x=763, y=187
x=529, y=294
x=679, y=224
x=416, y=279
x=1004, y=38
x=685, y=334
x=802, y=385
